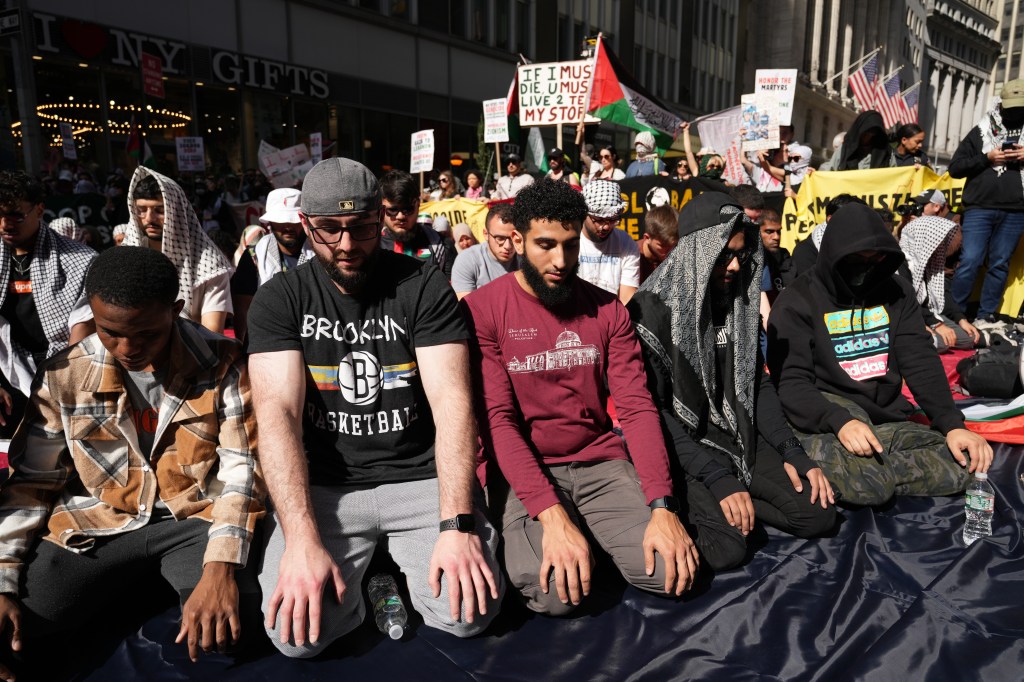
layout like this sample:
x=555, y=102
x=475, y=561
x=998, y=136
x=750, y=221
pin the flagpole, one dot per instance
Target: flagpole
x=853, y=66
x=890, y=75
x=590, y=90
x=910, y=88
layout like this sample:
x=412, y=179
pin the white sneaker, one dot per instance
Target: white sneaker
x=990, y=324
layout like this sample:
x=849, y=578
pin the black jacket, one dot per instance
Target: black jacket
x=985, y=188
x=824, y=339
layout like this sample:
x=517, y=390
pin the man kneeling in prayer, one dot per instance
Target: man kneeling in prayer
x=842, y=339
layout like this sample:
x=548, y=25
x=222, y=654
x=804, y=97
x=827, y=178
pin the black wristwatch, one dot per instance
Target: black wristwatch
x=667, y=502
x=464, y=523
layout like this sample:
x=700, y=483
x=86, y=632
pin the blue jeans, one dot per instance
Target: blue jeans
x=995, y=233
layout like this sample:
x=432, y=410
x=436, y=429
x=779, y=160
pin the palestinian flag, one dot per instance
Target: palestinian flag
x=617, y=97
x=137, y=147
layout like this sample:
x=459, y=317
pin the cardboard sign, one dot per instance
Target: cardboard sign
x=554, y=93
x=422, y=151
x=68, y=137
x=495, y=120
x=191, y=156
x=152, y=75
x=758, y=127
x=779, y=86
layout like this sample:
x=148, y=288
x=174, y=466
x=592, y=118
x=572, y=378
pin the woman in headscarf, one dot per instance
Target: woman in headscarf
x=865, y=146
x=697, y=318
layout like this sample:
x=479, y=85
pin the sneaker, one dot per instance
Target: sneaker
x=989, y=322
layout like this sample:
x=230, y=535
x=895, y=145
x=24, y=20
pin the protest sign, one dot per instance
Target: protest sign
x=191, y=156
x=644, y=192
x=720, y=131
x=554, y=93
x=68, y=137
x=422, y=151
x=473, y=212
x=284, y=167
x=495, y=120
x=152, y=75
x=316, y=147
x=758, y=127
x=778, y=85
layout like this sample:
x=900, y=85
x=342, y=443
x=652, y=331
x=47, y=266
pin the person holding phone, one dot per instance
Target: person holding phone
x=993, y=199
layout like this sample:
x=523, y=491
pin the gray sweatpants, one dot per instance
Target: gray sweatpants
x=351, y=521
x=606, y=503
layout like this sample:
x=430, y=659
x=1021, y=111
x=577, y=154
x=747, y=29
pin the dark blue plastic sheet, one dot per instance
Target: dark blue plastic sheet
x=894, y=595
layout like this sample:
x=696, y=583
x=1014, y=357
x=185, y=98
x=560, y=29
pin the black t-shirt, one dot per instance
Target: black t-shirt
x=246, y=279
x=366, y=419
x=19, y=309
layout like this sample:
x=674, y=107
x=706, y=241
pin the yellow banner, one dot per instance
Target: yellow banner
x=884, y=188
x=473, y=212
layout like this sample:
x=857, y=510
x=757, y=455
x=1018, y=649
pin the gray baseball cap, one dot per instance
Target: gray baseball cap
x=339, y=186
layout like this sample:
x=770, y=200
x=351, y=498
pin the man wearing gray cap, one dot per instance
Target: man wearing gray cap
x=361, y=387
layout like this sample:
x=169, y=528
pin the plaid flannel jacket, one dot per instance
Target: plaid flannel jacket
x=78, y=471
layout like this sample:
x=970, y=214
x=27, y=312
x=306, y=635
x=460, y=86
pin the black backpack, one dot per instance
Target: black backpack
x=992, y=373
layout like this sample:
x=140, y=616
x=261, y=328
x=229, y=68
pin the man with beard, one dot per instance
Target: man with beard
x=557, y=169
x=842, y=340
x=609, y=258
x=698, y=323
x=361, y=385
x=285, y=248
x=42, y=306
x=402, y=231
x=164, y=220
x=550, y=349
x=990, y=158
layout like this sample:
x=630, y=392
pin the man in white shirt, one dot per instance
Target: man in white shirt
x=514, y=181
x=481, y=264
x=609, y=258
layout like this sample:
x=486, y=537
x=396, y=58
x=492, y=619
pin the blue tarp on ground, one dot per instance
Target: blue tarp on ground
x=894, y=595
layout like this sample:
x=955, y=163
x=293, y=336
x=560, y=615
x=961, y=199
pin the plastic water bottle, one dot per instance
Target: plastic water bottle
x=980, y=505
x=388, y=609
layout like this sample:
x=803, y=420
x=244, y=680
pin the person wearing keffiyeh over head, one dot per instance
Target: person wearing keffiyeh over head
x=697, y=319
x=163, y=219
x=925, y=241
x=42, y=309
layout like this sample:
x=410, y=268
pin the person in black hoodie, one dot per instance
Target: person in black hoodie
x=990, y=158
x=841, y=342
x=697, y=319
x=865, y=146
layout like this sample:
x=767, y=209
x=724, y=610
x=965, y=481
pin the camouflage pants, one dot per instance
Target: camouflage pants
x=914, y=461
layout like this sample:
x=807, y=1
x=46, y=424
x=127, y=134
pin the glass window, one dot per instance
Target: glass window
x=399, y=9
x=480, y=20
x=270, y=119
x=501, y=25
x=522, y=26
x=67, y=93
x=434, y=15
x=221, y=128
x=10, y=147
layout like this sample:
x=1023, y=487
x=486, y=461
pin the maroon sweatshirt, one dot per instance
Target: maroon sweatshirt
x=543, y=382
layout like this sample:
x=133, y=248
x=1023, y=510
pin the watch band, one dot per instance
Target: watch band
x=668, y=502
x=464, y=523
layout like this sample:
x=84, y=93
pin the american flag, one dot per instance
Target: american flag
x=862, y=83
x=910, y=99
x=888, y=101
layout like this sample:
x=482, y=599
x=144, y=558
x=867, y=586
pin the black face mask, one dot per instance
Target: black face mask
x=859, y=277
x=1013, y=118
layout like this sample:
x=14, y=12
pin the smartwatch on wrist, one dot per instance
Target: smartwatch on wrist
x=668, y=502
x=464, y=523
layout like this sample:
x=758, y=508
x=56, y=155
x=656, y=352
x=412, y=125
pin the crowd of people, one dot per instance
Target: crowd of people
x=493, y=414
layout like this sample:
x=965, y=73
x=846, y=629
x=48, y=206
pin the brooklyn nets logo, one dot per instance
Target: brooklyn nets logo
x=359, y=377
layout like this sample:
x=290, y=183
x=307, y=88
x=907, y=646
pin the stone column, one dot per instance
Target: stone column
x=956, y=111
x=816, y=33
x=942, y=109
x=833, y=42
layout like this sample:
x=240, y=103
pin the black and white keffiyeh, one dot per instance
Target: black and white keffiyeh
x=268, y=257
x=604, y=198
x=197, y=259
x=58, y=270
x=925, y=241
x=993, y=133
x=67, y=227
x=673, y=320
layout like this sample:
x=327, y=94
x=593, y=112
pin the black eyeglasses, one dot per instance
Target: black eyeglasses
x=393, y=211
x=499, y=239
x=742, y=255
x=332, y=234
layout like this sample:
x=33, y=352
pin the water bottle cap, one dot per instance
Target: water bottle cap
x=396, y=631
x=981, y=476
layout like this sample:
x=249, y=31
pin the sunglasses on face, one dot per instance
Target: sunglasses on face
x=606, y=156
x=742, y=255
x=393, y=211
x=443, y=181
